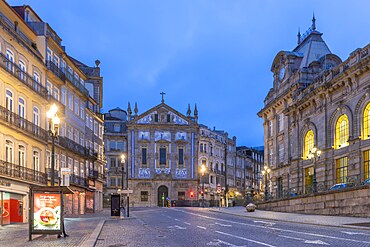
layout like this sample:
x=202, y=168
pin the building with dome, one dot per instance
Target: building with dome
x=316, y=120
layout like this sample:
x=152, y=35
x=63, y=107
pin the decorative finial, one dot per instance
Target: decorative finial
x=196, y=112
x=136, y=110
x=313, y=22
x=97, y=62
x=299, y=36
x=129, y=109
x=162, y=96
x=189, y=111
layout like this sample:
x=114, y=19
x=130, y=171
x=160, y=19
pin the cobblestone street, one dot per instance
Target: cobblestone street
x=78, y=229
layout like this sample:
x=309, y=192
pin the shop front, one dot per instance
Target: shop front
x=13, y=203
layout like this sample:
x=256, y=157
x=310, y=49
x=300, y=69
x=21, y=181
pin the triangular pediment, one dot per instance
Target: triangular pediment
x=162, y=114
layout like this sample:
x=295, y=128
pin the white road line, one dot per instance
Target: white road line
x=355, y=233
x=222, y=224
x=278, y=229
x=300, y=239
x=246, y=239
x=202, y=227
x=177, y=219
x=187, y=223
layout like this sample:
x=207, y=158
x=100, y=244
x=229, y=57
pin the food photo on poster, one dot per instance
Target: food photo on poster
x=47, y=211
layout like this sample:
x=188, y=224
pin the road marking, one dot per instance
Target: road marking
x=222, y=224
x=176, y=227
x=187, y=223
x=264, y=222
x=275, y=228
x=355, y=233
x=306, y=241
x=218, y=242
x=202, y=227
x=246, y=239
x=177, y=219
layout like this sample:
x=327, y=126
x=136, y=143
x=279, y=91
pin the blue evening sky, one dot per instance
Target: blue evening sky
x=214, y=53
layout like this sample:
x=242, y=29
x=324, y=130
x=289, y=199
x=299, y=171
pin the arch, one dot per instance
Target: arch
x=366, y=122
x=344, y=109
x=309, y=143
x=307, y=127
x=162, y=195
x=359, y=115
x=341, y=132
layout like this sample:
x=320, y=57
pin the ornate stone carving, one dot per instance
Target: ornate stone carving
x=181, y=173
x=144, y=173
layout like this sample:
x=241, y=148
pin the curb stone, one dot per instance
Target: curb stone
x=290, y=221
x=91, y=241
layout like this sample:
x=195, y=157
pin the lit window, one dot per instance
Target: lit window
x=341, y=132
x=309, y=142
x=367, y=122
x=366, y=164
x=342, y=170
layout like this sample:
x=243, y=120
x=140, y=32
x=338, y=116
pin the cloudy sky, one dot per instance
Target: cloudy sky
x=214, y=53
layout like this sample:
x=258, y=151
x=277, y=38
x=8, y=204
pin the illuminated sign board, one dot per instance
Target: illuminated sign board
x=46, y=212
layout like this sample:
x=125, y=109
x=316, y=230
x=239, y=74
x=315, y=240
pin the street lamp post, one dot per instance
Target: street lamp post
x=53, y=132
x=265, y=172
x=123, y=161
x=202, y=170
x=314, y=155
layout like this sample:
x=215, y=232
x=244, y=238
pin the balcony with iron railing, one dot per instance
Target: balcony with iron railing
x=80, y=181
x=22, y=76
x=71, y=145
x=56, y=174
x=21, y=173
x=77, y=84
x=22, y=124
x=19, y=36
x=56, y=70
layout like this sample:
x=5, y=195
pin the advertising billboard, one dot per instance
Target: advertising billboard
x=46, y=211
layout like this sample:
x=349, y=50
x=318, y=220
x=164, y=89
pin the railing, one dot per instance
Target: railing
x=19, y=36
x=22, y=76
x=77, y=84
x=56, y=174
x=71, y=145
x=23, y=124
x=22, y=173
x=94, y=174
x=56, y=70
x=77, y=180
x=355, y=181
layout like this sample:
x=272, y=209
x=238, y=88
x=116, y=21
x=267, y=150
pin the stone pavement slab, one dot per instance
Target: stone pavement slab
x=324, y=220
x=80, y=230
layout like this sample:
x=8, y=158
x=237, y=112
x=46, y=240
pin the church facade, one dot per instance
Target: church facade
x=162, y=155
x=316, y=119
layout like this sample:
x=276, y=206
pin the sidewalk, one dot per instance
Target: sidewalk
x=81, y=230
x=324, y=220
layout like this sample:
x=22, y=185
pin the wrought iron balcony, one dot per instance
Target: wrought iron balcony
x=71, y=145
x=21, y=173
x=56, y=174
x=94, y=174
x=21, y=123
x=19, y=36
x=77, y=180
x=56, y=70
x=77, y=84
x=22, y=76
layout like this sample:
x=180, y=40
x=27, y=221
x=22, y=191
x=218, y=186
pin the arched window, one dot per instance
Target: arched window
x=21, y=156
x=309, y=142
x=10, y=60
x=9, y=100
x=367, y=122
x=36, y=161
x=9, y=151
x=341, y=132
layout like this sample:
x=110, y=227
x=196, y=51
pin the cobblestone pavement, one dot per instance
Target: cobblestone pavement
x=78, y=229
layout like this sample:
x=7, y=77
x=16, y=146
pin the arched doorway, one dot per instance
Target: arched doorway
x=162, y=192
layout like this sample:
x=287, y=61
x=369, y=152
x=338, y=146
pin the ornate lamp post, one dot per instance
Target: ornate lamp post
x=265, y=172
x=203, y=170
x=123, y=161
x=314, y=155
x=54, y=122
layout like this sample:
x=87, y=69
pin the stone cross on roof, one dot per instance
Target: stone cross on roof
x=162, y=96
